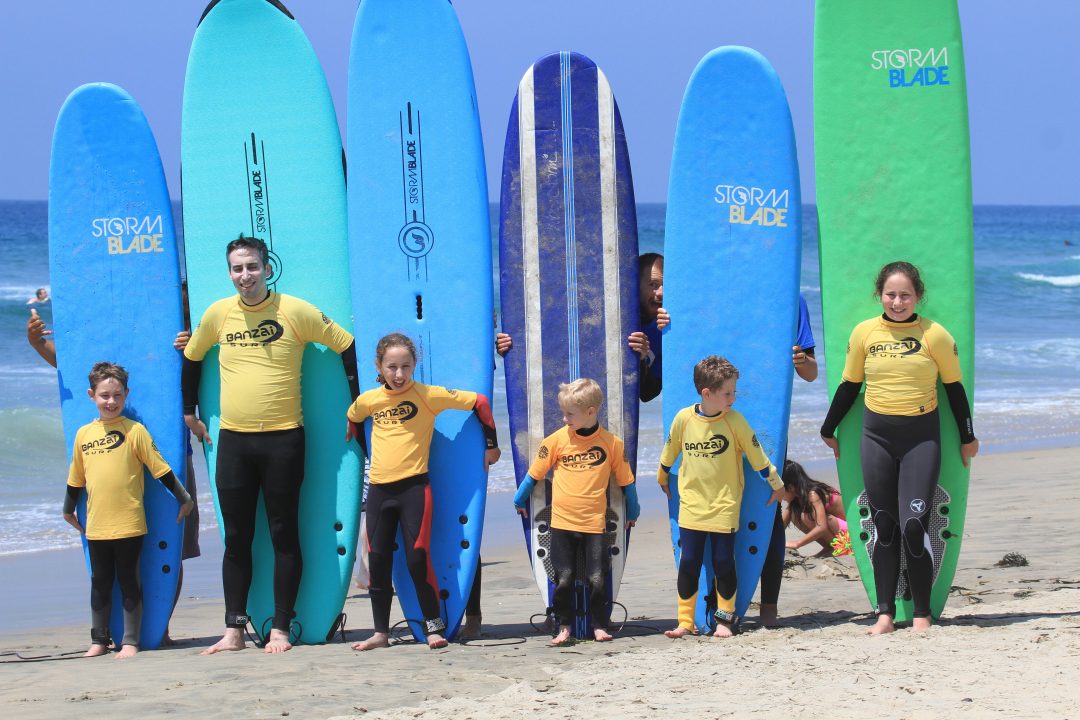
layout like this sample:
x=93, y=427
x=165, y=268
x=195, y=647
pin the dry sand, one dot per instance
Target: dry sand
x=1008, y=646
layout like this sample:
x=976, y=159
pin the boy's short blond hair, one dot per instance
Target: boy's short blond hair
x=105, y=371
x=581, y=393
x=712, y=372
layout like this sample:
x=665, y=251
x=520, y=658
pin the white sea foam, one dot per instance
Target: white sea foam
x=1055, y=280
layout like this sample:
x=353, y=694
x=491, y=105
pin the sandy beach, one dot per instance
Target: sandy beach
x=1008, y=645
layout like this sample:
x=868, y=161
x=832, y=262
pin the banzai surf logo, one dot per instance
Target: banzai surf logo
x=900, y=348
x=749, y=205
x=112, y=440
x=264, y=333
x=593, y=457
x=715, y=446
x=913, y=67
x=402, y=412
x=125, y=235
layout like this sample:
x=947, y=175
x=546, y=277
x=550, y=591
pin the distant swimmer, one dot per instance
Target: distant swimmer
x=40, y=297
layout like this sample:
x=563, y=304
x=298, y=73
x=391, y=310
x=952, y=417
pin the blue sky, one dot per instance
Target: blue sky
x=1022, y=79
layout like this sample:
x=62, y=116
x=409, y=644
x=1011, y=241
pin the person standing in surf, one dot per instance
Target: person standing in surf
x=900, y=356
x=261, y=446
x=403, y=416
x=583, y=458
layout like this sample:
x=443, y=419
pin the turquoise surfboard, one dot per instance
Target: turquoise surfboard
x=568, y=251
x=421, y=251
x=115, y=274
x=262, y=156
x=893, y=169
x=731, y=273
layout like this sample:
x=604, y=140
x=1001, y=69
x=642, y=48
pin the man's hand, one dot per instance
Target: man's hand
x=73, y=521
x=503, y=343
x=662, y=319
x=639, y=343
x=181, y=340
x=198, y=429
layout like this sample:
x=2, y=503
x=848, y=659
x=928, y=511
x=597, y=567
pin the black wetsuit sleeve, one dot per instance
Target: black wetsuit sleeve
x=172, y=483
x=842, y=401
x=648, y=386
x=348, y=361
x=71, y=498
x=958, y=401
x=482, y=408
x=190, y=375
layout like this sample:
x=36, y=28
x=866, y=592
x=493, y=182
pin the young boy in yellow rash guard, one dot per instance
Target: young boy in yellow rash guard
x=712, y=439
x=108, y=460
x=584, y=457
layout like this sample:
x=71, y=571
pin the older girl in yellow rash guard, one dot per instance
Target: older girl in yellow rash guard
x=403, y=419
x=712, y=439
x=900, y=357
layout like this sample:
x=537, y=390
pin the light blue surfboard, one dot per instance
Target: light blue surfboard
x=731, y=271
x=568, y=270
x=262, y=156
x=115, y=275
x=421, y=251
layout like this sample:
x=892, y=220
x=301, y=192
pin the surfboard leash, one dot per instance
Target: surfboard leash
x=20, y=658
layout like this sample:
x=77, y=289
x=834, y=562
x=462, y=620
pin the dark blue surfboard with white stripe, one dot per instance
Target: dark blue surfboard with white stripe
x=568, y=269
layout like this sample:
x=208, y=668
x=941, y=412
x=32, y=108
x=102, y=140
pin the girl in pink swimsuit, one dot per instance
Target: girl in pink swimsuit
x=815, y=508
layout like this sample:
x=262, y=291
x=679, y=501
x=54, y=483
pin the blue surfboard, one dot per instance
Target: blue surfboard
x=568, y=270
x=731, y=271
x=262, y=155
x=420, y=241
x=115, y=274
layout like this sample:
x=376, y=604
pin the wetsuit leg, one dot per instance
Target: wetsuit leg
x=920, y=467
x=282, y=475
x=595, y=549
x=238, y=494
x=416, y=510
x=723, y=563
x=772, y=573
x=472, y=608
x=692, y=554
x=102, y=575
x=881, y=477
x=382, y=522
x=127, y=553
x=564, y=546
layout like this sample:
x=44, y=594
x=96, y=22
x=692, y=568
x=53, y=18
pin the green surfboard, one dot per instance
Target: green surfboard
x=893, y=175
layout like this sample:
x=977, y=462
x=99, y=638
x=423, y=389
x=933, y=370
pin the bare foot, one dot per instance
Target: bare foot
x=128, y=651
x=767, y=615
x=678, y=632
x=96, y=650
x=921, y=624
x=470, y=630
x=436, y=641
x=231, y=640
x=278, y=642
x=601, y=635
x=563, y=637
x=883, y=626
x=377, y=640
x=723, y=630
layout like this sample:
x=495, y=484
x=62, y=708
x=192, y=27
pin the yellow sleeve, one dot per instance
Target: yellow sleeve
x=545, y=458
x=440, y=398
x=944, y=351
x=855, y=362
x=755, y=454
x=619, y=466
x=672, y=447
x=76, y=472
x=317, y=327
x=147, y=452
x=205, y=335
x=360, y=408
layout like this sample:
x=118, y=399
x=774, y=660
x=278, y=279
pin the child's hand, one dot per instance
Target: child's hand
x=503, y=343
x=198, y=429
x=834, y=444
x=631, y=523
x=491, y=456
x=776, y=496
x=73, y=521
x=181, y=340
x=185, y=510
x=667, y=491
x=662, y=319
x=522, y=512
x=791, y=545
x=351, y=430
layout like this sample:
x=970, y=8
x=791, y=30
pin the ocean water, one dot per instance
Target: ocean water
x=1027, y=269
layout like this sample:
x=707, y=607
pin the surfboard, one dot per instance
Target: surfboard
x=732, y=246
x=419, y=235
x=893, y=172
x=262, y=156
x=115, y=276
x=568, y=273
